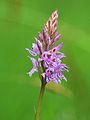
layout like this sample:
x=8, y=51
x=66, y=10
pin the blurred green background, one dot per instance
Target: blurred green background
x=20, y=20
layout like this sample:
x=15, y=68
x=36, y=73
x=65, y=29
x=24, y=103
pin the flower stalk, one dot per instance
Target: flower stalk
x=38, y=108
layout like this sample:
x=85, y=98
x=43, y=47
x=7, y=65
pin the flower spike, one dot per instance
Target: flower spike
x=49, y=56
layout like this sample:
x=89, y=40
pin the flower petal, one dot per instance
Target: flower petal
x=34, y=62
x=54, y=80
x=39, y=45
x=47, y=79
x=35, y=48
x=40, y=36
x=56, y=49
x=31, y=52
x=57, y=38
x=48, y=40
x=32, y=71
x=59, y=46
x=61, y=55
x=64, y=66
x=64, y=77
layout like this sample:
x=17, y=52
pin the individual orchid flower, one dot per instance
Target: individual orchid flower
x=49, y=62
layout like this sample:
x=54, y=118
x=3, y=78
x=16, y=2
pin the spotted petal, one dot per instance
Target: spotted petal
x=56, y=49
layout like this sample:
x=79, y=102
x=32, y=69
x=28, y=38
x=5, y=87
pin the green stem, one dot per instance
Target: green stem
x=39, y=101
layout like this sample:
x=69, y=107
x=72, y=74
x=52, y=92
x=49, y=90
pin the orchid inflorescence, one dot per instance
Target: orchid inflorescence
x=49, y=63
